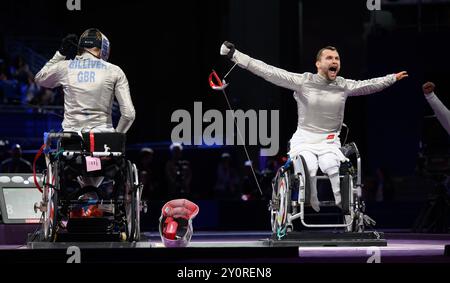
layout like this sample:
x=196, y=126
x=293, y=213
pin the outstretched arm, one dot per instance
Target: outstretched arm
x=366, y=87
x=442, y=113
x=270, y=73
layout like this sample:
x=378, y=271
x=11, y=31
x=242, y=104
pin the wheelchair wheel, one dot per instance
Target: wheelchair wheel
x=137, y=206
x=280, y=205
x=132, y=204
x=50, y=224
x=304, y=180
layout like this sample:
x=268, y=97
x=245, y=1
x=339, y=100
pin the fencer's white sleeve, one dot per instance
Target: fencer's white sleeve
x=442, y=113
x=355, y=88
x=122, y=93
x=270, y=73
x=52, y=73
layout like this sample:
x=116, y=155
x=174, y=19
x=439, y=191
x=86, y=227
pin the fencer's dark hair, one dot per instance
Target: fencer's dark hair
x=329, y=47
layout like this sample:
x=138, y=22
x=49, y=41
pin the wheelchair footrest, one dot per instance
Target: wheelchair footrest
x=323, y=204
x=88, y=225
x=89, y=237
x=324, y=214
x=327, y=204
x=326, y=238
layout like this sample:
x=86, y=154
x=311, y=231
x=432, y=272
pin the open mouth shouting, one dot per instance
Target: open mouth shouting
x=332, y=71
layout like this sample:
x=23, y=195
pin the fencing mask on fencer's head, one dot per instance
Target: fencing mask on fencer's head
x=175, y=223
x=94, y=38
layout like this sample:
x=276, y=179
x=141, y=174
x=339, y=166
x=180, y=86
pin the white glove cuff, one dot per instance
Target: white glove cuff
x=241, y=59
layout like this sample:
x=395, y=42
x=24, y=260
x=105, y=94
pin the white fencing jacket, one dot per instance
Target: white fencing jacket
x=90, y=85
x=442, y=113
x=320, y=102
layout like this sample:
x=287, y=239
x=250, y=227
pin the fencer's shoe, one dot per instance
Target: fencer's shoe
x=315, y=204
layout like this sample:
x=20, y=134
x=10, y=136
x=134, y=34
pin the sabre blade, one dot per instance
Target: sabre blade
x=243, y=142
x=221, y=86
x=229, y=71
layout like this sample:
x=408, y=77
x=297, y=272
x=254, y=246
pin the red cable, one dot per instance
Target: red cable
x=38, y=154
x=92, y=141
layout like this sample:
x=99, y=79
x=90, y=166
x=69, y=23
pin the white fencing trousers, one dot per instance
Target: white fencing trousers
x=329, y=164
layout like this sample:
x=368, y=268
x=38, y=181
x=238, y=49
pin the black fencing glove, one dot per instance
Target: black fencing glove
x=227, y=49
x=69, y=46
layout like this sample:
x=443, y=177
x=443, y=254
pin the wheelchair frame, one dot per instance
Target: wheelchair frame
x=126, y=208
x=284, y=210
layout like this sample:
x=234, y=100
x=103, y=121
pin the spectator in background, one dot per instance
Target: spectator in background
x=20, y=71
x=4, y=144
x=178, y=173
x=16, y=164
x=147, y=174
x=267, y=176
x=384, y=187
x=3, y=78
x=9, y=88
x=249, y=186
x=3, y=70
x=17, y=85
x=42, y=96
x=227, y=182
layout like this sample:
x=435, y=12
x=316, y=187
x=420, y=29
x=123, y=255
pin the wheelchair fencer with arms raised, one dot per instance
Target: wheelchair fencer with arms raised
x=89, y=188
x=292, y=184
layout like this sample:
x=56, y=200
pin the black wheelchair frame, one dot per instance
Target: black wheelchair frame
x=120, y=208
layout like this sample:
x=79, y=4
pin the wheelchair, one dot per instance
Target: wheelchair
x=290, y=192
x=90, y=192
